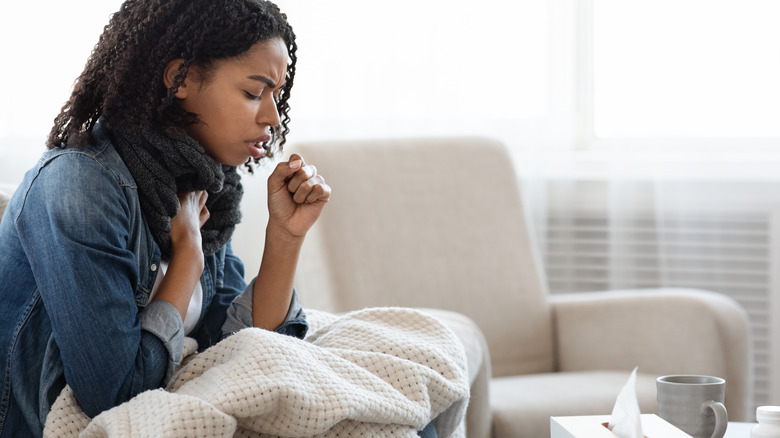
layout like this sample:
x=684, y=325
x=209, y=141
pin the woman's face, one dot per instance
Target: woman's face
x=236, y=104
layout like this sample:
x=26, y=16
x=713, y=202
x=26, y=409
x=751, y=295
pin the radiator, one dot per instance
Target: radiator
x=727, y=253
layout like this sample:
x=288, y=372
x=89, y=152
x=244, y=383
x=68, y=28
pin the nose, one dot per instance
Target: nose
x=268, y=113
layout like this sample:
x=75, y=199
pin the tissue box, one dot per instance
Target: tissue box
x=595, y=426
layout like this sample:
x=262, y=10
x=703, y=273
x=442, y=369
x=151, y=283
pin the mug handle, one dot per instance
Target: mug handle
x=721, y=417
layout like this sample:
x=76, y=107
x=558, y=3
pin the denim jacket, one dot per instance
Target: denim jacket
x=77, y=264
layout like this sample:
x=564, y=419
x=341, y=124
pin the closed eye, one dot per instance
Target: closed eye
x=251, y=96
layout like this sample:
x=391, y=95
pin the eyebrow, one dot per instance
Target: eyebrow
x=263, y=79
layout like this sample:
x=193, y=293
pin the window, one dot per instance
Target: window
x=376, y=68
x=647, y=70
x=690, y=68
x=44, y=46
x=409, y=67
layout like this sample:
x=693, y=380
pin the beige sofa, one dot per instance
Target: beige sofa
x=439, y=223
x=6, y=190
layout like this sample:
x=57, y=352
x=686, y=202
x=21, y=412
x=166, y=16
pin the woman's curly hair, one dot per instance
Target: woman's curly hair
x=123, y=78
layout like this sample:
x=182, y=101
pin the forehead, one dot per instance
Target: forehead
x=265, y=58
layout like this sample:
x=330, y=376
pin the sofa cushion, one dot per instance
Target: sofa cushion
x=522, y=405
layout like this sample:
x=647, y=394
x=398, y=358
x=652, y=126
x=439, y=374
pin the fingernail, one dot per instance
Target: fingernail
x=295, y=164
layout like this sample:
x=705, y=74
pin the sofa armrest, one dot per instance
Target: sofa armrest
x=478, y=414
x=662, y=331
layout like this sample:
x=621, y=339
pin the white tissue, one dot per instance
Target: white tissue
x=625, y=421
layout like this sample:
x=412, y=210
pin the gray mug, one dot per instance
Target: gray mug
x=694, y=404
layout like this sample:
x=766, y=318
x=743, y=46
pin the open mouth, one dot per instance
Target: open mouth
x=256, y=150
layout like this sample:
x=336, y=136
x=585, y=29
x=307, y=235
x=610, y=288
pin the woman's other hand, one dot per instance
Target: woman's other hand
x=296, y=196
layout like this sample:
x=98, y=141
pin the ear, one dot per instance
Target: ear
x=170, y=73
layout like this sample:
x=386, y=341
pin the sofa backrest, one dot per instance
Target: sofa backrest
x=6, y=190
x=429, y=223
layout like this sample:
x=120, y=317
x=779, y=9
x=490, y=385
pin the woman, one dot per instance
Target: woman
x=117, y=244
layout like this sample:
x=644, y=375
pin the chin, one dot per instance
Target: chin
x=235, y=163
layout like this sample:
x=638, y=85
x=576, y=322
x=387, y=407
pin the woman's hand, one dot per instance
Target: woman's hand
x=296, y=196
x=186, y=225
x=186, y=264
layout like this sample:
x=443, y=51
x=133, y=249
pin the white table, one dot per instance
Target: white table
x=738, y=430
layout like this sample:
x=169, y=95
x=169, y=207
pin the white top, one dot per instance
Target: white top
x=196, y=302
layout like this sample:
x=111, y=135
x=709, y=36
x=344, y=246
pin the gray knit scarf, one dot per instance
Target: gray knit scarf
x=163, y=166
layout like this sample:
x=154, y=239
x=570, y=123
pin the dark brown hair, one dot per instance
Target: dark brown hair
x=123, y=78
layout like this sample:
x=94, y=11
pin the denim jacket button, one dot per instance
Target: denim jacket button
x=153, y=267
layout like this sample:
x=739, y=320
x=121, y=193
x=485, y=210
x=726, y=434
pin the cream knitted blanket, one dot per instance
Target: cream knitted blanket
x=378, y=372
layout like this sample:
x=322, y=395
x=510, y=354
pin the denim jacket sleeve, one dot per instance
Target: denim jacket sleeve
x=75, y=222
x=239, y=315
